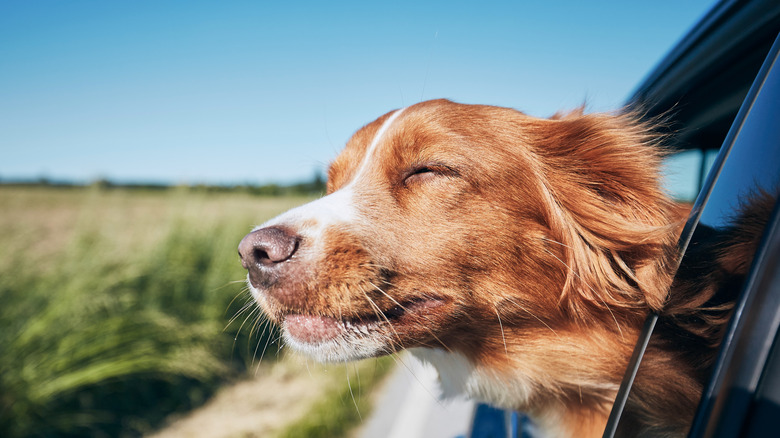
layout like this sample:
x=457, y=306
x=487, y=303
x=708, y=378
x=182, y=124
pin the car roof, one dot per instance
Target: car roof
x=703, y=80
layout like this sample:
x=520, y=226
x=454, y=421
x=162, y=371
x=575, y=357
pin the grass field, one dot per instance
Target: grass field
x=116, y=308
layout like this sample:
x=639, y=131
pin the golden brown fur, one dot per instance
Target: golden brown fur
x=529, y=249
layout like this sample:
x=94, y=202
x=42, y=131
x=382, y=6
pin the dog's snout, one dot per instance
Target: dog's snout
x=267, y=246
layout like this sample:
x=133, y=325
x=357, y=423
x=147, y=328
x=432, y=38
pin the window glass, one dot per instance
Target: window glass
x=681, y=174
x=685, y=342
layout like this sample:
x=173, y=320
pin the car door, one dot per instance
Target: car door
x=742, y=397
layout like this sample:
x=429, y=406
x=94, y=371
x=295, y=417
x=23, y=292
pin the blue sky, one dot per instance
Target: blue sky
x=240, y=91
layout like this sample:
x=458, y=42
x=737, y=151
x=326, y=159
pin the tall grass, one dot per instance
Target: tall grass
x=115, y=306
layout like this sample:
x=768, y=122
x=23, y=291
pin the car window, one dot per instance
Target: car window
x=727, y=229
x=684, y=172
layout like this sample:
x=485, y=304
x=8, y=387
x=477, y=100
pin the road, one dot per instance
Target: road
x=409, y=407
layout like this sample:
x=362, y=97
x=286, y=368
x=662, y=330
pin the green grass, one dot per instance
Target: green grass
x=344, y=406
x=115, y=305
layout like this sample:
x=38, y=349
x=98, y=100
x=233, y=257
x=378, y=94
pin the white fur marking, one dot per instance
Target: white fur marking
x=310, y=221
x=417, y=404
x=458, y=376
x=331, y=209
x=338, y=207
x=373, y=145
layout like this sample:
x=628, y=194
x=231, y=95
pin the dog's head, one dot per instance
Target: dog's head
x=449, y=225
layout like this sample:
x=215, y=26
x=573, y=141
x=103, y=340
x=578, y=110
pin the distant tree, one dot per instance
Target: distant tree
x=102, y=184
x=318, y=185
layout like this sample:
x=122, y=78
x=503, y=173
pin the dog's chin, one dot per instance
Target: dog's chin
x=350, y=337
x=327, y=339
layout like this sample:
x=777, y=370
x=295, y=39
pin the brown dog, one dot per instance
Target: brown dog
x=518, y=255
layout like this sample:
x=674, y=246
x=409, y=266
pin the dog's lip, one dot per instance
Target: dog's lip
x=312, y=329
x=316, y=329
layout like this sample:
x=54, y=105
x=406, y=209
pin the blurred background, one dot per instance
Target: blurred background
x=139, y=141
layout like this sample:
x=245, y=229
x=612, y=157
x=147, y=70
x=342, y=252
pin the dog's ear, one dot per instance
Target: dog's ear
x=606, y=205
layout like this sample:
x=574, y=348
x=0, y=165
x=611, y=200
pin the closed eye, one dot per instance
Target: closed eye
x=427, y=173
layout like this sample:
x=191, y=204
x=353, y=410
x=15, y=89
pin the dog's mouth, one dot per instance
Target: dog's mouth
x=396, y=323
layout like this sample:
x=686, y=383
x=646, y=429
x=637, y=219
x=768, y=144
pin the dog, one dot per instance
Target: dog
x=517, y=255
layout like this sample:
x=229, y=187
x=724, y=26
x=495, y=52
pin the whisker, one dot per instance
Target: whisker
x=592, y=290
x=243, y=309
x=405, y=310
x=267, y=341
x=235, y=338
x=357, y=376
x=258, y=320
x=240, y=293
x=387, y=295
x=308, y=370
x=229, y=283
x=521, y=307
x=506, y=350
x=243, y=280
x=380, y=314
x=556, y=242
x=351, y=393
x=256, y=314
x=419, y=382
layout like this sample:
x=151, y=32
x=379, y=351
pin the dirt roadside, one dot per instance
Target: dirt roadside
x=257, y=407
x=280, y=394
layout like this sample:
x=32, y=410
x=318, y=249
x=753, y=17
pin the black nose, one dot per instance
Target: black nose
x=266, y=247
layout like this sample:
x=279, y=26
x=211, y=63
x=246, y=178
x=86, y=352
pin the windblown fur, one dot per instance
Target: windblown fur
x=518, y=255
